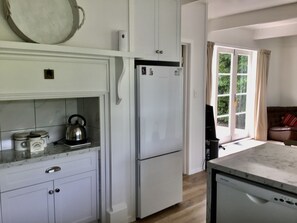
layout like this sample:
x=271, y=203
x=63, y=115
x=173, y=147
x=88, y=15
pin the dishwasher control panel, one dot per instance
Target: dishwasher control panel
x=285, y=200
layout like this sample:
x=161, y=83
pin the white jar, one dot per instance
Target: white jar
x=43, y=134
x=20, y=141
x=35, y=143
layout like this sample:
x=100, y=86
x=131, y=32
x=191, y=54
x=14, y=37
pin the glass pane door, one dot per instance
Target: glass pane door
x=224, y=78
x=233, y=69
x=240, y=130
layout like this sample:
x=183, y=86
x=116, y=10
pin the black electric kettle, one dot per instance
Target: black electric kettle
x=76, y=132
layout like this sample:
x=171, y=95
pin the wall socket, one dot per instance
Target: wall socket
x=49, y=74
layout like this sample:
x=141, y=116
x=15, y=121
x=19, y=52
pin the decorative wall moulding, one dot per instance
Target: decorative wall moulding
x=46, y=21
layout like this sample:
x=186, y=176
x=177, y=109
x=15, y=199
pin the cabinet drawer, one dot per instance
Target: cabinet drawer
x=25, y=175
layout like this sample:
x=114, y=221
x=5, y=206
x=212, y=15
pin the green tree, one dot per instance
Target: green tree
x=242, y=64
x=224, y=63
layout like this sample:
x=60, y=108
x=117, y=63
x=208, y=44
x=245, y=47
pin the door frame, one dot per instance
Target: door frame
x=186, y=51
x=233, y=73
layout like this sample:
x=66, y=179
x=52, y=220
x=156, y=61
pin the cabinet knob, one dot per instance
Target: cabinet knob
x=161, y=51
x=51, y=192
x=53, y=169
x=57, y=190
x=157, y=51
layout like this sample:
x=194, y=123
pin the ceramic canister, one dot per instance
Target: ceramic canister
x=20, y=141
x=35, y=143
x=43, y=134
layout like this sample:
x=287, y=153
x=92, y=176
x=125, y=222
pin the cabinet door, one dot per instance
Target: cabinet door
x=169, y=30
x=31, y=204
x=75, y=198
x=146, y=37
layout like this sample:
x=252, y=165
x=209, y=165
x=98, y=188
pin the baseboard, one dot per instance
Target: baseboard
x=118, y=214
x=195, y=170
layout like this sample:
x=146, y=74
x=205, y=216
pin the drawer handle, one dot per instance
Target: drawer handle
x=53, y=169
x=51, y=192
x=57, y=190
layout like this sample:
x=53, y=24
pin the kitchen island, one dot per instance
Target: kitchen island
x=268, y=166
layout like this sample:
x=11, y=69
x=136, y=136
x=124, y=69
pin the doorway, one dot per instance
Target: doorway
x=233, y=69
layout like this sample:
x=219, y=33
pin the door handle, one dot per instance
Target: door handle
x=235, y=100
x=53, y=169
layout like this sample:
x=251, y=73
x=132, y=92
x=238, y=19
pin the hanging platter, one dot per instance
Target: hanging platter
x=43, y=21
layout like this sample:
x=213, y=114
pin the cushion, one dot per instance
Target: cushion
x=289, y=120
x=280, y=135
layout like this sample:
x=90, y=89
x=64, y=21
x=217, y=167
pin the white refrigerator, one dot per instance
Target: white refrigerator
x=159, y=113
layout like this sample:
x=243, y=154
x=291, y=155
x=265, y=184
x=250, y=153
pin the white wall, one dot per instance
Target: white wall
x=288, y=72
x=103, y=20
x=193, y=30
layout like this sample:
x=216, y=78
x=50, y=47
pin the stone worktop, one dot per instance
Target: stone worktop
x=269, y=164
x=10, y=158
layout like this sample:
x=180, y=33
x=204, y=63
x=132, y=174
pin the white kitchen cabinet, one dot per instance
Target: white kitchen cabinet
x=63, y=190
x=31, y=204
x=157, y=29
x=75, y=198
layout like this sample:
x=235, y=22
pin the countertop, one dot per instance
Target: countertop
x=270, y=164
x=10, y=158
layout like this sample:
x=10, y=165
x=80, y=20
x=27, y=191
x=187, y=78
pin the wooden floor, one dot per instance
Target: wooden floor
x=193, y=207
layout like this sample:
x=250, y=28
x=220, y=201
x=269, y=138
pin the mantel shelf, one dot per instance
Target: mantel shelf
x=22, y=48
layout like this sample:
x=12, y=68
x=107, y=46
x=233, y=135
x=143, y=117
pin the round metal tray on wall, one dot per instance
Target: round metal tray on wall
x=43, y=21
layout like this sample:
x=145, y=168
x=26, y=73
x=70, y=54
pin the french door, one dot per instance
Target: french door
x=232, y=93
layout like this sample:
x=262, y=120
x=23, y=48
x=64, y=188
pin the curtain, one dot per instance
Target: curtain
x=260, y=119
x=209, y=72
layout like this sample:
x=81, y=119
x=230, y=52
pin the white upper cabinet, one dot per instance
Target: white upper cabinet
x=157, y=29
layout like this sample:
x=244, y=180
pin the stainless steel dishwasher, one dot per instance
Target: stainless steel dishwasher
x=240, y=201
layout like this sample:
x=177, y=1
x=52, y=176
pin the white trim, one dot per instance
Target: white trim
x=187, y=106
x=195, y=170
x=104, y=144
x=49, y=95
x=234, y=52
x=7, y=47
x=132, y=204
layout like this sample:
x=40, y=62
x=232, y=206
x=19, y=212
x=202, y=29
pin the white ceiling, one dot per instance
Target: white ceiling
x=220, y=8
x=266, y=18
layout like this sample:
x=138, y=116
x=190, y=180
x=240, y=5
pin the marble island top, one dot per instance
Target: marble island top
x=10, y=158
x=269, y=164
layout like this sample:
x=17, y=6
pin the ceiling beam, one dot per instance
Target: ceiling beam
x=275, y=32
x=261, y=16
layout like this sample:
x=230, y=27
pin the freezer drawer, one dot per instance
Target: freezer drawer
x=159, y=183
x=244, y=202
